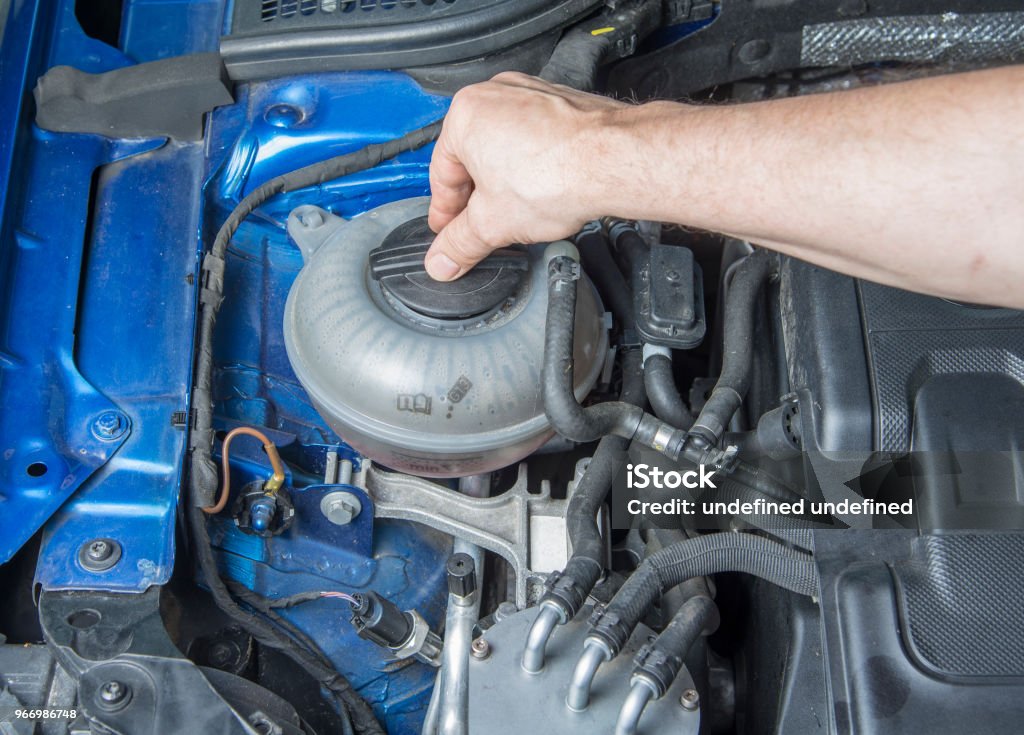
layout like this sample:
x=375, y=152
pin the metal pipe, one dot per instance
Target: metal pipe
x=453, y=716
x=448, y=711
x=639, y=695
x=595, y=653
x=537, y=640
x=430, y=721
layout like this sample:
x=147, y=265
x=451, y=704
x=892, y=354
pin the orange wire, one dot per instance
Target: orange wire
x=268, y=446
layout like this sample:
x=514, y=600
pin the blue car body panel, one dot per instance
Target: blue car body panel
x=100, y=252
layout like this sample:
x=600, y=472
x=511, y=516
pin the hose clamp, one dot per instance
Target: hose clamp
x=563, y=268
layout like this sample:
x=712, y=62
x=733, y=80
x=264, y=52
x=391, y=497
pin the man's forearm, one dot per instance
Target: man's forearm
x=916, y=184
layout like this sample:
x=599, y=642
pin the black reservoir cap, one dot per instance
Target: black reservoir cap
x=398, y=265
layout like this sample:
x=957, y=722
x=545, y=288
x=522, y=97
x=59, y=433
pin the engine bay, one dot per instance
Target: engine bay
x=262, y=474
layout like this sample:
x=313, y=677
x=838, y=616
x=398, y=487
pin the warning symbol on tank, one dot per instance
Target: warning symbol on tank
x=414, y=403
x=458, y=391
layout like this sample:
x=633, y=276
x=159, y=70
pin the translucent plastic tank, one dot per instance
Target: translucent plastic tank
x=440, y=396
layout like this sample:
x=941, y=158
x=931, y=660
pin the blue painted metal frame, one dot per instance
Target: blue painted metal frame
x=99, y=242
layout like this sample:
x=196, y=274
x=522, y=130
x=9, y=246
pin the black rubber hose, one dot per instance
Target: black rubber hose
x=600, y=266
x=666, y=402
x=364, y=721
x=698, y=557
x=575, y=60
x=570, y=587
x=579, y=53
x=203, y=476
x=631, y=247
x=660, y=661
x=562, y=409
x=738, y=347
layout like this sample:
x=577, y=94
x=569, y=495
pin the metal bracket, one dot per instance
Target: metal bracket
x=131, y=677
x=525, y=529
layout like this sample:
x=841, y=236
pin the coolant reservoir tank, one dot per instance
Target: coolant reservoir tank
x=434, y=379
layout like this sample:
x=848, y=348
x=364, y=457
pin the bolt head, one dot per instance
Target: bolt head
x=109, y=425
x=220, y=654
x=689, y=699
x=340, y=507
x=114, y=695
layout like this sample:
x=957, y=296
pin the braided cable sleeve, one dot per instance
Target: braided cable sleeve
x=364, y=720
x=698, y=557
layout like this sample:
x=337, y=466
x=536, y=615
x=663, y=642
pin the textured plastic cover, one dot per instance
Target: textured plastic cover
x=912, y=338
x=949, y=37
x=962, y=604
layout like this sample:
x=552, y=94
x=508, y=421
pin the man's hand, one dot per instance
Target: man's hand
x=507, y=168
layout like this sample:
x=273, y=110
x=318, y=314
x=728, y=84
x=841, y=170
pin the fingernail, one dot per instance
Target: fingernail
x=441, y=268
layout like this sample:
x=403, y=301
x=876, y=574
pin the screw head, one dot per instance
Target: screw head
x=689, y=699
x=110, y=425
x=99, y=550
x=480, y=649
x=672, y=276
x=113, y=695
x=99, y=555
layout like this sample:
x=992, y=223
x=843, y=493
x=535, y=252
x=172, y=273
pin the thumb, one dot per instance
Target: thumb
x=456, y=249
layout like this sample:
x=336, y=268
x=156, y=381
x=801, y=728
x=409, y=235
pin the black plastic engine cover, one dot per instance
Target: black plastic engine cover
x=885, y=373
x=923, y=634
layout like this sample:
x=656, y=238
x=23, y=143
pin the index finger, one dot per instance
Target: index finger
x=450, y=183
